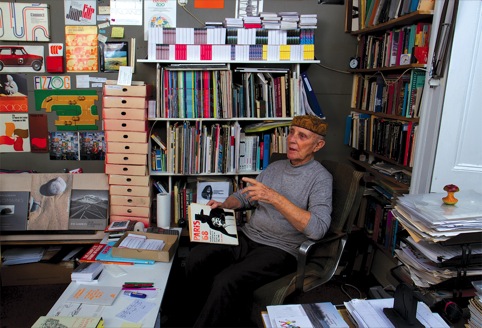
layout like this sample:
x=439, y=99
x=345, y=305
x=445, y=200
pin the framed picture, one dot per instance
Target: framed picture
x=113, y=55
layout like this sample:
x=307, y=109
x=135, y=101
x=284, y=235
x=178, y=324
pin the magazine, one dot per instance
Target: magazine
x=216, y=226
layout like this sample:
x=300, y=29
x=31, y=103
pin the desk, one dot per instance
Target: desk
x=157, y=273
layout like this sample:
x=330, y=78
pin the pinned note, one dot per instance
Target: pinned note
x=117, y=32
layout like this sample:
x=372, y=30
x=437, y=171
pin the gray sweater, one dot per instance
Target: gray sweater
x=309, y=187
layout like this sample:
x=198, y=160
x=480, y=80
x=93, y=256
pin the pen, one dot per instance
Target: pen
x=135, y=294
x=134, y=288
x=138, y=285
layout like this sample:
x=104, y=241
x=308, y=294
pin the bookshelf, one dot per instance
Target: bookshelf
x=221, y=109
x=389, y=69
x=388, y=83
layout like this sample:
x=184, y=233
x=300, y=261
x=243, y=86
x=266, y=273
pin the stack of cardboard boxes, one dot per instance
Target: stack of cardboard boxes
x=126, y=133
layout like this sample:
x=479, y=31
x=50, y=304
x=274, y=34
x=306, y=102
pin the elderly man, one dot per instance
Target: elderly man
x=292, y=201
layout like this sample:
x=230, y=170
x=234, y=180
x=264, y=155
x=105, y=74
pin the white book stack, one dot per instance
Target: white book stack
x=87, y=271
x=308, y=21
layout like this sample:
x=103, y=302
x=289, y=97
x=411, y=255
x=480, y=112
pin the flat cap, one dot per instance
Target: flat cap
x=312, y=123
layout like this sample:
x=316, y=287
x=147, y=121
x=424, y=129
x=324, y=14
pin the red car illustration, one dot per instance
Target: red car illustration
x=18, y=56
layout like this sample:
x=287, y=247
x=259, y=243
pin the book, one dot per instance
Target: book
x=88, y=209
x=87, y=271
x=216, y=226
x=311, y=96
x=71, y=322
x=98, y=295
x=14, y=210
x=106, y=256
x=323, y=314
x=92, y=253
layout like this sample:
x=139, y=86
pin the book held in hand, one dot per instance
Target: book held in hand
x=216, y=226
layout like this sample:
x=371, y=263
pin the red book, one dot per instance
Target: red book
x=406, y=155
x=206, y=94
x=92, y=253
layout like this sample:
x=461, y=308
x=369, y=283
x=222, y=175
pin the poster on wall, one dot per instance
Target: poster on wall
x=248, y=8
x=13, y=93
x=14, y=134
x=159, y=14
x=81, y=52
x=64, y=146
x=24, y=22
x=80, y=12
x=24, y=59
x=50, y=197
x=126, y=12
x=113, y=55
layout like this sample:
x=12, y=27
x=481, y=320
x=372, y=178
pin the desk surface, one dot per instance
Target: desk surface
x=158, y=273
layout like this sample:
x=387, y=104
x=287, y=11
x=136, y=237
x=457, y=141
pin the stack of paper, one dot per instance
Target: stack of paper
x=369, y=313
x=475, y=306
x=429, y=253
x=22, y=255
x=305, y=315
x=426, y=217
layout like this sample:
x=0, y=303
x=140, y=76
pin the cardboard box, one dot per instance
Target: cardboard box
x=124, y=102
x=126, y=90
x=123, y=180
x=125, y=125
x=36, y=274
x=128, y=136
x=127, y=147
x=163, y=255
x=126, y=169
x=131, y=159
x=124, y=114
x=139, y=191
x=130, y=201
x=132, y=211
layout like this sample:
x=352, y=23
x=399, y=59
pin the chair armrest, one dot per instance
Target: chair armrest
x=304, y=252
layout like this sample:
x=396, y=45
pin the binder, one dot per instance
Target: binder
x=313, y=102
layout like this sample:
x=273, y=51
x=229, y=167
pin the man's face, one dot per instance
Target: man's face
x=302, y=145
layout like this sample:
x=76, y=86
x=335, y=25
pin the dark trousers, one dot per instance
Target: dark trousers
x=222, y=279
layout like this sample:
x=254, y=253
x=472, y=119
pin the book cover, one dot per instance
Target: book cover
x=216, y=189
x=98, y=295
x=14, y=210
x=14, y=133
x=81, y=48
x=106, y=256
x=113, y=54
x=88, y=209
x=39, y=133
x=29, y=18
x=216, y=226
x=92, y=253
x=50, y=198
x=72, y=322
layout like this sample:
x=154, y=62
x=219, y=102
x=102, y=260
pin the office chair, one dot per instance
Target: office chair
x=318, y=260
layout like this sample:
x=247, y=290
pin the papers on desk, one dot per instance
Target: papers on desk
x=369, y=313
x=305, y=315
x=430, y=224
x=22, y=255
x=426, y=217
x=100, y=295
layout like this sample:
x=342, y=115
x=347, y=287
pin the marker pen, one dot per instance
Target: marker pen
x=135, y=294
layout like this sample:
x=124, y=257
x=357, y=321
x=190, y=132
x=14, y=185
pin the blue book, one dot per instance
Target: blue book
x=310, y=94
x=266, y=147
x=106, y=256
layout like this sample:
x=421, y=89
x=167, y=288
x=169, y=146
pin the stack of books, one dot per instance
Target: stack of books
x=289, y=20
x=252, y=22
x=475, y=306
x=233, y=22
x=270, y=21
x=308, y=21
x=87, y=271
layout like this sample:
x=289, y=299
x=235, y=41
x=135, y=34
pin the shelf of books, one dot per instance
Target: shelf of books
x=225, y=97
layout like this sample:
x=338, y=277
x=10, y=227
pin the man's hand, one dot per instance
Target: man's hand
x=256, y=191
x=214, y=204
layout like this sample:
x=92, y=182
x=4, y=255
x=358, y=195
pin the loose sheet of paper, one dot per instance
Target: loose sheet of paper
x=135, y=311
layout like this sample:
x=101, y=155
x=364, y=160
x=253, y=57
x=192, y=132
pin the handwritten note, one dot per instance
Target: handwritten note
x=135, y=311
